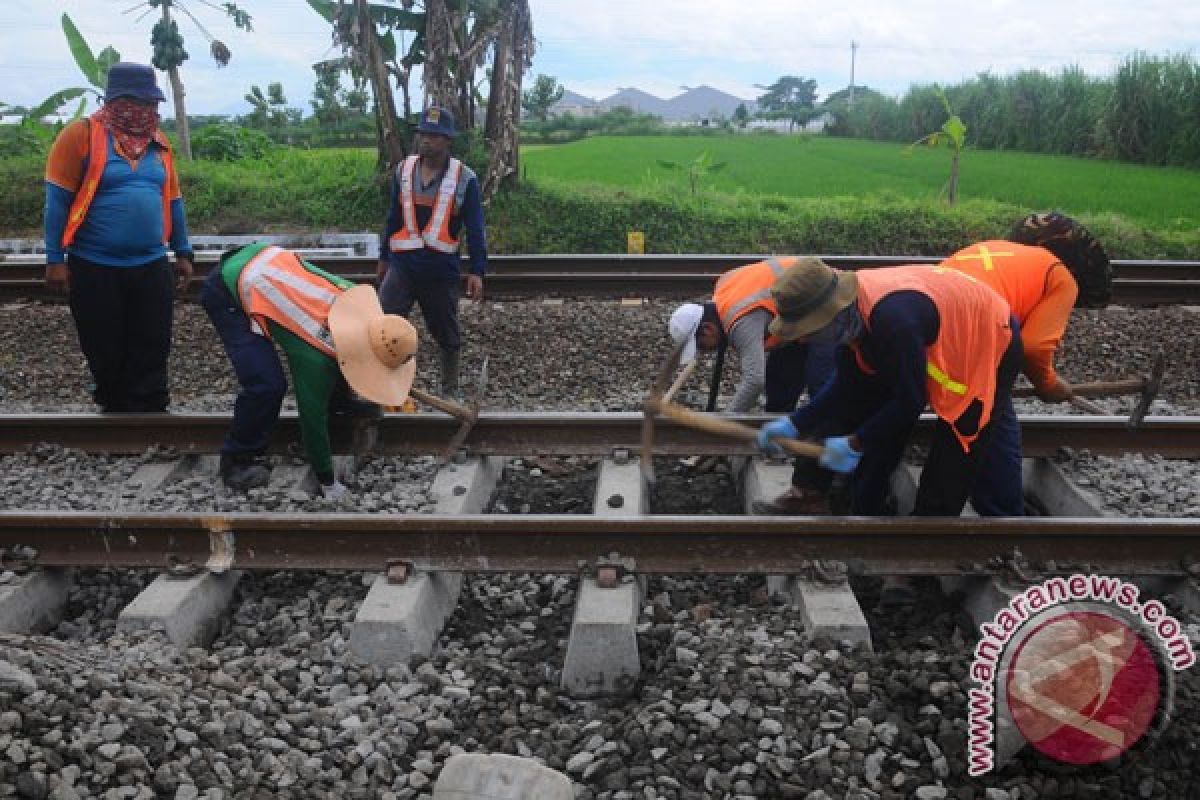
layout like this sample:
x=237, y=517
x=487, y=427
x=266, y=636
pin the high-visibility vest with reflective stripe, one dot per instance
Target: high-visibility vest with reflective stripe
x=437, y=231
x=275, y=286
x=748, y=288
x=973, y=333
x=97, y=159
x=1016, y=272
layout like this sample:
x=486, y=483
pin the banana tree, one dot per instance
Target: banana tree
x=94, y=68
x=697, y=169
x=169, y=52
x=954, y=133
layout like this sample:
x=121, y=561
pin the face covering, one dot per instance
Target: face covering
x=843, y=328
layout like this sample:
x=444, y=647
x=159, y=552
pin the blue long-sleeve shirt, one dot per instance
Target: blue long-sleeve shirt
x=124, y=223
x=894, y=342
x=429, y=263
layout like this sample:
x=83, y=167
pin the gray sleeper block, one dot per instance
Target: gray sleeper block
x=188, y=610
x=398, y=621
x=620, y=490
x=482, y=776
x=602, y=651
x=34, y=602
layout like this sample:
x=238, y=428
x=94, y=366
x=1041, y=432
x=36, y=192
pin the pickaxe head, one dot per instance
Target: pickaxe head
x=650, y=407
x=468, y=422
x=1150, y=388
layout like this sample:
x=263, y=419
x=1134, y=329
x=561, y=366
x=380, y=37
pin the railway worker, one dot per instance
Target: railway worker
x=434, y=197
x=328, y=328
x=738, y=315
x=907, y=337
x=113, y=207
x=1048, y=263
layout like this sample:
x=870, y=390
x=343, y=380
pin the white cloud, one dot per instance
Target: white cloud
x=657, y=45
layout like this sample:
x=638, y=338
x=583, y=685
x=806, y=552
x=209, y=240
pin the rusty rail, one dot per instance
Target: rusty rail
x=1138, y=282
x=571, y=543
x=549, y=433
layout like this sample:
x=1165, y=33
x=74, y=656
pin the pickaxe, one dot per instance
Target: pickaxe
x=1147, y=386
x=661, y=393
x=658, y=402
x=468, y=415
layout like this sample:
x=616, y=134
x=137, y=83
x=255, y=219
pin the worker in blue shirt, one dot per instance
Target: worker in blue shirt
x=434, y=196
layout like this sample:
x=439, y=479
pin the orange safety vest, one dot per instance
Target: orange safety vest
x=1017, y=272
x=275, y=286
x=437, y=232
x=748, y=288
x=97, y=159
x=973, y=334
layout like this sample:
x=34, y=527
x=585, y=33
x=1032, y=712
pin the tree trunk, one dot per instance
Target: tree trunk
x=513, y=56
x=181, y=121
x=391, y=144
x=953, y=188
x=440, y=46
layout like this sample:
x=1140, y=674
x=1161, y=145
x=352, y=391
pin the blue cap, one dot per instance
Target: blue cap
x=126, y=79
x=437, y=120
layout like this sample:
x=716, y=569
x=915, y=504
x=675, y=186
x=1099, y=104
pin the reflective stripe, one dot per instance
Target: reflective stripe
x=731, y=315
x=260, y=277
x=776, y=266
x=944, y=380
x=295, y=314
x=441, y=211
x=409, y=237
x=265, y=255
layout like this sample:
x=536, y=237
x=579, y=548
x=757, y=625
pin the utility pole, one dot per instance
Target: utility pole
x=853, y=53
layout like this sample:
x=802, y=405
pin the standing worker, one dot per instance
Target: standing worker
x=908, y=337
x=329, y=329
x=1041, y=286
x=738, y=315
x=434, y=197
x=113, y=206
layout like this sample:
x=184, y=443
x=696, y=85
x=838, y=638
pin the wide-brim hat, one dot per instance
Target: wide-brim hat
x=376, y=352
x=808, y=296
x=437, y=120
x=126, y=79
x=683, y=326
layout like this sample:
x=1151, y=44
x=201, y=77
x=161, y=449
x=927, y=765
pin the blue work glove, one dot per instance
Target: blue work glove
x=839, y=456
x=781, y=428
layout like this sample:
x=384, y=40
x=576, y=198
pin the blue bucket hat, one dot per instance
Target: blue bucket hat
x=126, y=79
x=437, y=120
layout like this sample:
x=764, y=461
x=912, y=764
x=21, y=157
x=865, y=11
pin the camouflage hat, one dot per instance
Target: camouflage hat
x=1075, y=246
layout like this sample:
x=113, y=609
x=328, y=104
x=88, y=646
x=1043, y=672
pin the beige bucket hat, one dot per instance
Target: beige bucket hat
x=376, y=352
x=808, y=296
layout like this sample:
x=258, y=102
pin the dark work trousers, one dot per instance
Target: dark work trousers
x=438, y=298
x=256, y=364
x=792, y=369
x=123, y=320
x=950, y=473
x=998, y=487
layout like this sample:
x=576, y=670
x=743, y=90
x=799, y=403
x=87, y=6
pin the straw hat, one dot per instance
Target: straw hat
x=376, y=351
x=808, y=296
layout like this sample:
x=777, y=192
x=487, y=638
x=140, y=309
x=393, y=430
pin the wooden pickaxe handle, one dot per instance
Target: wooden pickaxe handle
x=442, y=404
x=731, y=429
x=1094, y=389
x=680, y=381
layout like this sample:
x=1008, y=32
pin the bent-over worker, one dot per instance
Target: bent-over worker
x=1041, y=286
x=908, y=337
x=328, y=328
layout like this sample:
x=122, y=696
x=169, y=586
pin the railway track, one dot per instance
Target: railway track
x=568, y=543
x=1136, y=283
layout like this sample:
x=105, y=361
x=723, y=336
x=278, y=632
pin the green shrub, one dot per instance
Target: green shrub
x=223, y=142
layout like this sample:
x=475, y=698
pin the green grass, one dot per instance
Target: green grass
x=811, y=166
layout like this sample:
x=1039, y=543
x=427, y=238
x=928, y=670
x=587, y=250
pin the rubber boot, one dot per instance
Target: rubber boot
x=242, y=472
x=450, y=387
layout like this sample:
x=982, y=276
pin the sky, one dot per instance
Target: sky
x=595, y=47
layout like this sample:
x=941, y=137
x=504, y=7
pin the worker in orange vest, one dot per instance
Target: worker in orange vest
x=738, y=315
x=1041, y=285
x=907, y=337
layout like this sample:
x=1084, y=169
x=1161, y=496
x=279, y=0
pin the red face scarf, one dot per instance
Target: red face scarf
x=131, y=124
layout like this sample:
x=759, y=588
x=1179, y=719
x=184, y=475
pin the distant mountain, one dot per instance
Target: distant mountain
x=701, y=102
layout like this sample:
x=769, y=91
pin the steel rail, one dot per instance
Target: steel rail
x=571, y=543
x=1138, y=283
x=549, y=433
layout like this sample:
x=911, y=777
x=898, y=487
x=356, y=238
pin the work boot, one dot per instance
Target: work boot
x=356, y=408
x=242, y=472
x=796, y=502
x=449, y=360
